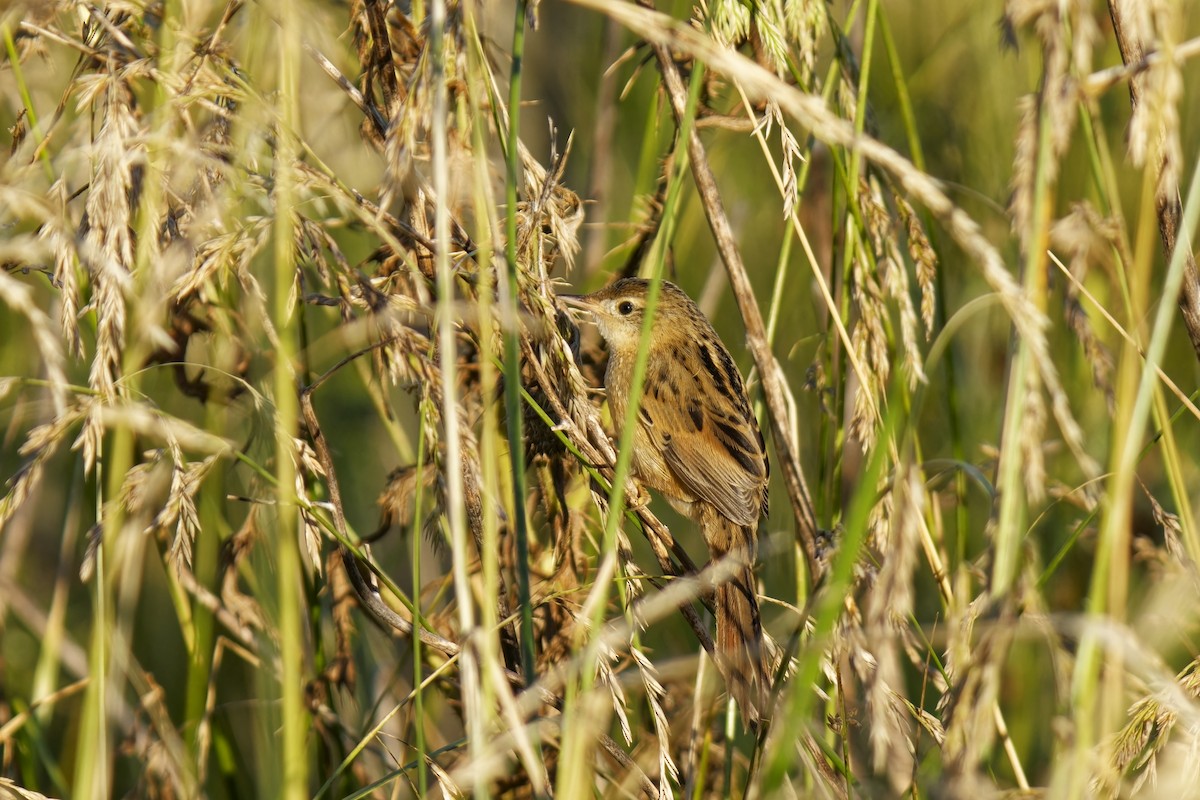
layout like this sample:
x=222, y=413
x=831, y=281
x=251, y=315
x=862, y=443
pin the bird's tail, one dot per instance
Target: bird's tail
x=739, y=642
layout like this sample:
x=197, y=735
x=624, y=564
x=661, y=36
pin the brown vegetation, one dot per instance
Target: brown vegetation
x=308, y=486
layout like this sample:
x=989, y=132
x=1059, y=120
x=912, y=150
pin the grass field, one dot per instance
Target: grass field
x=306, y=490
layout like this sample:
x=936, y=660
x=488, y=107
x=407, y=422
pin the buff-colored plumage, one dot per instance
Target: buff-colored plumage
x=698, y=443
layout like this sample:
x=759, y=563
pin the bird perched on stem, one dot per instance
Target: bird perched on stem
x=698, y=443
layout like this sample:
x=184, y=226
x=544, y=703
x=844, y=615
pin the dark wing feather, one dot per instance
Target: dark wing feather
x=715, y=450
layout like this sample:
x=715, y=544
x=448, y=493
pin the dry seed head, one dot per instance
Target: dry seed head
x=791, y=155
x=20, y=299
x=1032, y=441
x=186, y=482
x=107, y=249
x=806, y=23
x=1154, y=128
x=970, y=720
x=897, y=532
x=411, y=107
x=895, y=280
x=870, y=343
x=894, y=276
x=890, y=726
x=1056, y=24
x=55, y=229
x=221, y=256
x=608, y=679
x=42, y=443
x=1020, y=205
x=729, y=21
x=861, y=427
x=1139, y=742
x=550, y=216
x=770, y=26
x=877, y=647
x=655, y=693
x=1172, y=531
x=925, y=259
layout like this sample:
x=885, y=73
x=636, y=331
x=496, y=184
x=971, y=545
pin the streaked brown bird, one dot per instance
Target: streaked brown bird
x=698, y=443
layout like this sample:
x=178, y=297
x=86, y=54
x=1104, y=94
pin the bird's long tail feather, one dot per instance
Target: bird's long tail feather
x=739, y=642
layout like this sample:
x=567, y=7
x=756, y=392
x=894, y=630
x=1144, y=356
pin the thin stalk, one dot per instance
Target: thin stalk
x=1100, y=159
x=781, y=269
x=289, y=595
x=860, y=98
x=1012, y=514
x=91, y=762
x=473, y=116
x=49, y=663
x=795, y=711
x=903, y=100
x=447, y=362
x=418, y=720
x=214, y=527
x=830, y=433
x=1114, y=530
x=951, y=394
x=512, y=345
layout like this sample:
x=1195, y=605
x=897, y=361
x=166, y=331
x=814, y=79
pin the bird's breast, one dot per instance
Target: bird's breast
x=648, y=463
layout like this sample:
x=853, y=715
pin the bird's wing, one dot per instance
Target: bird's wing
x=714, y=448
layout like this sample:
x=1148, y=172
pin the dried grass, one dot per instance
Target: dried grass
x=179, y=236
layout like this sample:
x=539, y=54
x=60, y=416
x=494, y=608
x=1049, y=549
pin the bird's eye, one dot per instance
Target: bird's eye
x=626, y=308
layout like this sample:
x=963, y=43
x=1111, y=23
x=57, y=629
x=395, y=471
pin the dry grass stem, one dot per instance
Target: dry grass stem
x=307, y=483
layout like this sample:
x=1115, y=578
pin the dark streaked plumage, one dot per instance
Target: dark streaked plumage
x=697, y=443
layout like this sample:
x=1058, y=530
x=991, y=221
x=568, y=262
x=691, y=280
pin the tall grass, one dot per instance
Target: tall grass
x=309, y=492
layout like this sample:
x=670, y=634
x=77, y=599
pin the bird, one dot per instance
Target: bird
x=699, y=445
